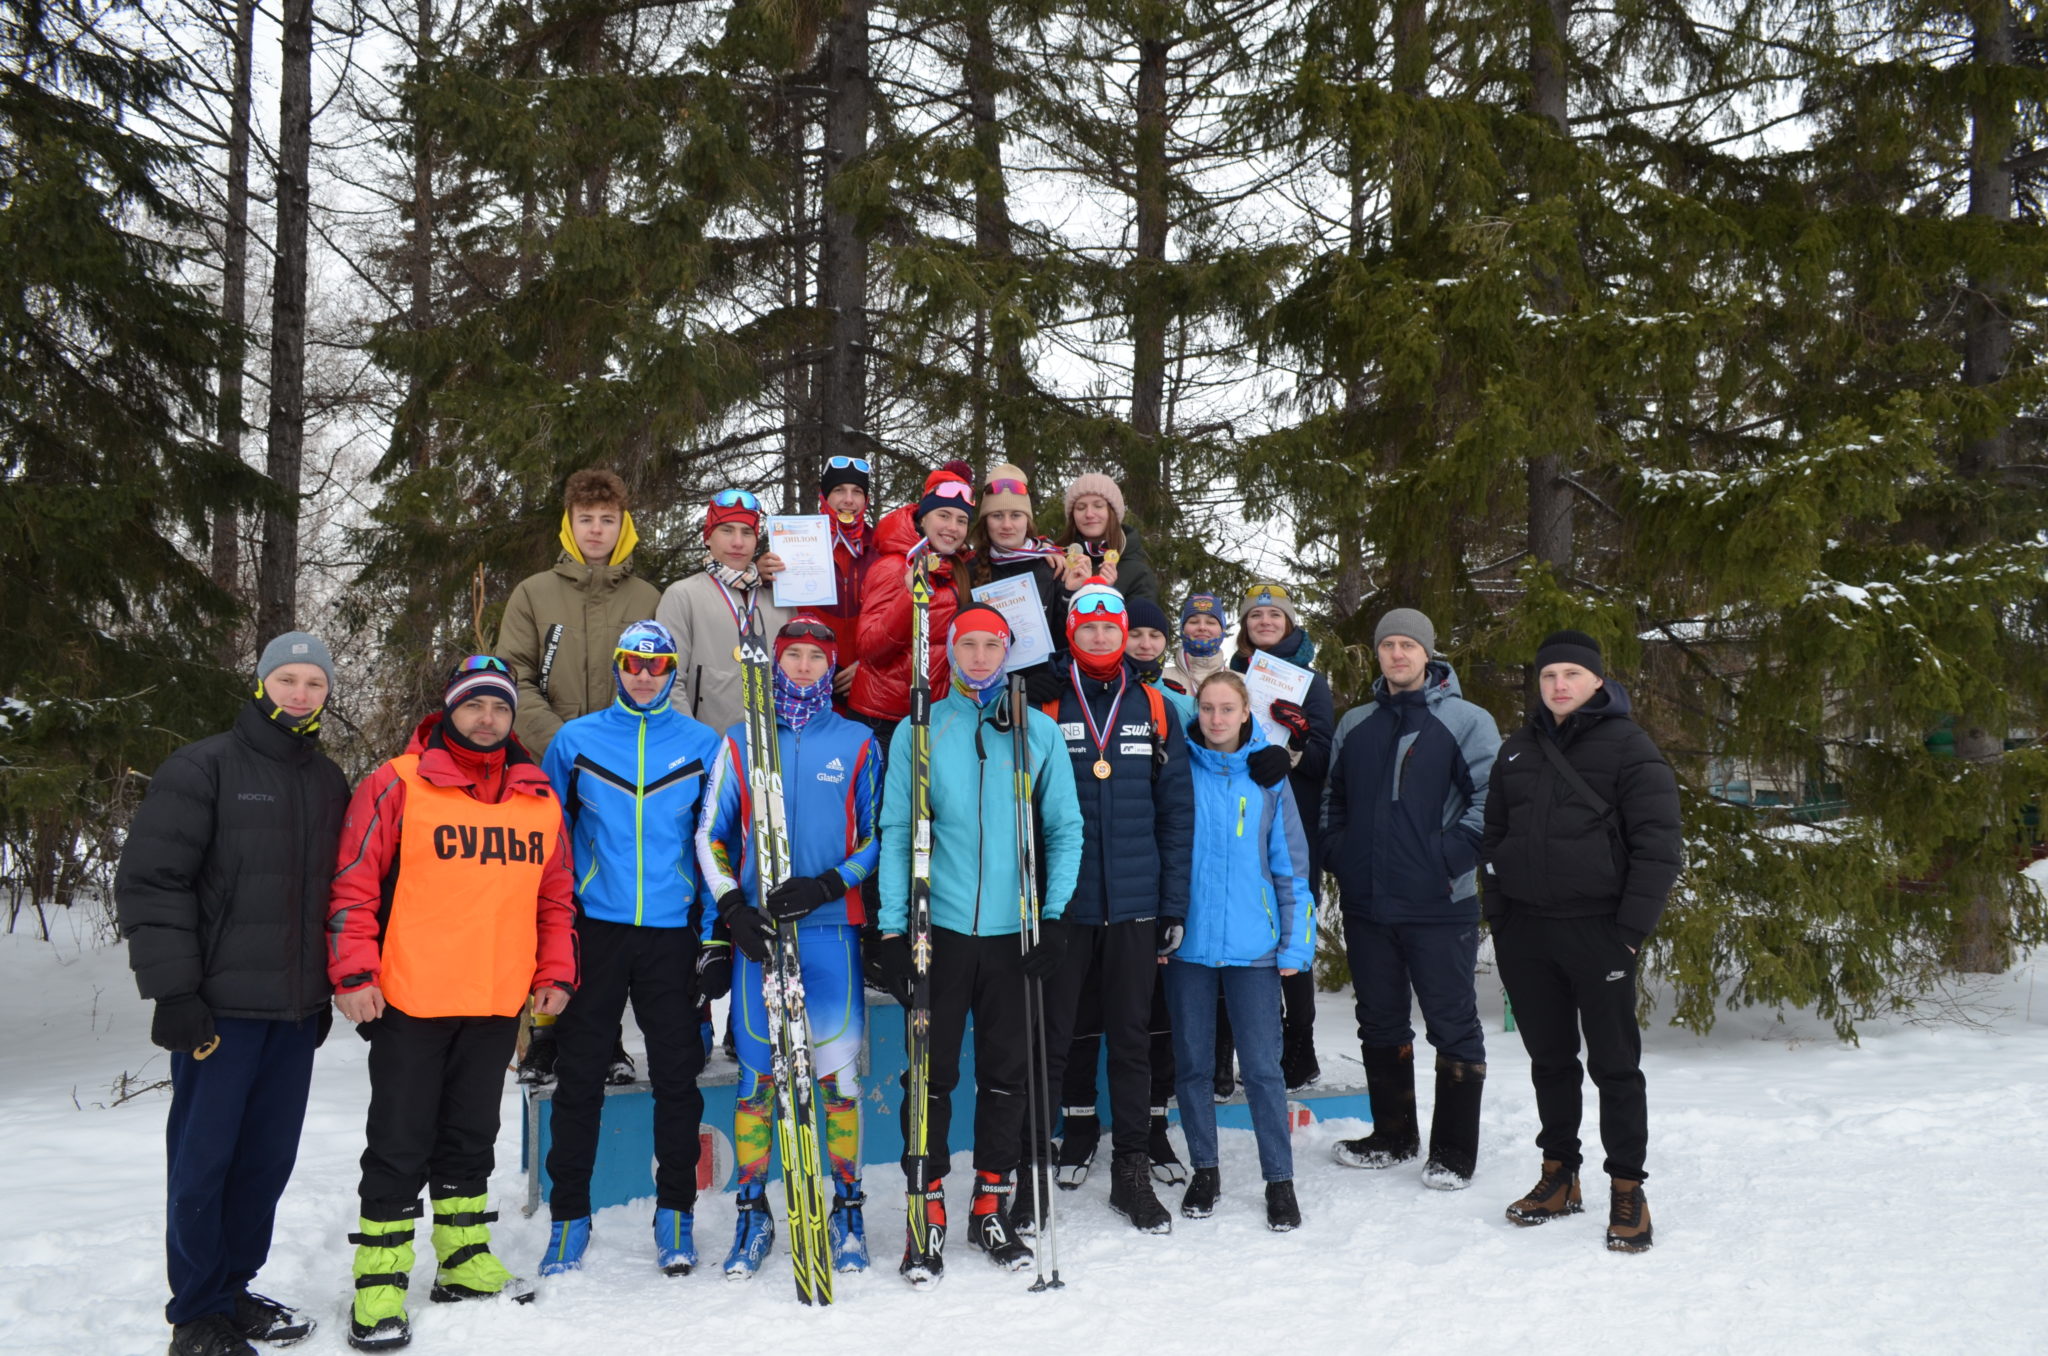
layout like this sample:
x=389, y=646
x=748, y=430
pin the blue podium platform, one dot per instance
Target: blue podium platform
x=624, y=1170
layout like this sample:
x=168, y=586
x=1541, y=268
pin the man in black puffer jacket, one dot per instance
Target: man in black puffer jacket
x=1581, y=850
x=222, y=895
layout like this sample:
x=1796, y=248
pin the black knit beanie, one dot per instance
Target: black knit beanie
x=1571, y=647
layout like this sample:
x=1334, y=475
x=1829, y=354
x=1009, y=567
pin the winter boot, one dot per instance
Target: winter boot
x=1454, y=1125
x=537, y=1069
x=1628, y=1217
x=1200, y=1200
x=1298, y=1064
x=567, y=1240
x=1282, y=1213
x=1167, y=1169
x=924, y=1259
x=848, y=1229
x=1555, y=1194
x=462, y=1245
x=1130, y=1194
x=260, y=1318
x=213, y=1335
x=675, y=1242
x=1226, y=1065
x=1032, y=1198
x=988, y=1226
x=1390, y=1084
x=383, y=1269
x=1080, y=1138
x=753, y=1234
x=621, y=1072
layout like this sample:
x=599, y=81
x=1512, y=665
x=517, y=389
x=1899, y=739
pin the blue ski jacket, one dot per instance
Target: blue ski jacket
x=632, y=788
x=1248, y=899
x=1405, y=806
x=974, y=820
x=831, y=784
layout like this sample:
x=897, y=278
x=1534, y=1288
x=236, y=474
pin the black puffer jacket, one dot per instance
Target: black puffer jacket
x=1547, y=851
x=222, y=888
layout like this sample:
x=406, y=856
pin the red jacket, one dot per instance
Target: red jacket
x=881, y=686
x=367, y=870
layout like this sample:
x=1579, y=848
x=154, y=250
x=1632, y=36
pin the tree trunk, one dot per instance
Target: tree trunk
x=843, y=264
x=1550, y=497
x=234, y=310
x=419, y=263
x=1144, y=483
x=277, y=579
x=1004, y=352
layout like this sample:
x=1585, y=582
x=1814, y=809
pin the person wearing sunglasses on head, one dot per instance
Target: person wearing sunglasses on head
x=932, y=534
x=843, y=496
x=708, y=612
x=1005, y=543
x=452, y=905
x=831, y=795
x=631, y=779
x=1099, y=543
x=1272, y=623
x=221, y=895
x=1131, y=777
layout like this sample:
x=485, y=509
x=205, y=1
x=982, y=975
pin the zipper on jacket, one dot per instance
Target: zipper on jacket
x=639, y=844
x=1272, y=923
x=1240, y=816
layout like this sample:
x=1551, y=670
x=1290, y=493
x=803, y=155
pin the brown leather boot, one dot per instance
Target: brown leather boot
x=1555, y=1194
x=1628, y=1218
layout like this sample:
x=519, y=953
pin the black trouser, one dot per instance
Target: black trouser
x=657, y=969
x=1077, y=1087
x=435, y=1087
x=1564, y=974
x=1435, y=962
x=1104, y=988
x=985, y=976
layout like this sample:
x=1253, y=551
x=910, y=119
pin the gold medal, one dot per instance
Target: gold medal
x=738, y=654
x=1102, y=769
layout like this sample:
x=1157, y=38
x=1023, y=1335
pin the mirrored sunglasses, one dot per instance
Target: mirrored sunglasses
x=656, y=664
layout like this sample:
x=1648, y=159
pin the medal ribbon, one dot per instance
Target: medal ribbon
x=1101, y=734
x=739, y=615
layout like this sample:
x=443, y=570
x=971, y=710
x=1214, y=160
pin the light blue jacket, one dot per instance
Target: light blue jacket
x=1249, y=902
x=974, y=821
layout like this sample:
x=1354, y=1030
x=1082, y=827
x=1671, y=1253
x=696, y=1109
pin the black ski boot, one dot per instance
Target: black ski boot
x=1080, y=1139
x=1130, y=1194
x=1390, y=1084
x=621, y=1072
x=1167, y=1169
x=988, y=1225
x=1282, y=1213
x=213, y=1335
x=924, y=1259
x=1200, y=1200
x=1454, y=1125
x=537, y=1068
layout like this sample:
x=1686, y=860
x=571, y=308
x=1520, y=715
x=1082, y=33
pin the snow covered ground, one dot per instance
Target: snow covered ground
x=1808, y=1197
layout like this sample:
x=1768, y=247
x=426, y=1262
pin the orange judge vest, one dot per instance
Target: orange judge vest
x=463, y=931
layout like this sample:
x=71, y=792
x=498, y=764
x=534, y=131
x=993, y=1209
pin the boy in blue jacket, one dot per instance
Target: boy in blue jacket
x=631, y=781
x=977, y=964
x=831, y=789
x=1403, y=812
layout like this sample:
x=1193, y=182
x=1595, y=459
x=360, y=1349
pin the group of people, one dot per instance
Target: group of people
x=571, y=831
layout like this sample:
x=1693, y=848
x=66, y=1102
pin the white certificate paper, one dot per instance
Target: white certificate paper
x=1017, y=599
x=805, y=544
x=1272, y=680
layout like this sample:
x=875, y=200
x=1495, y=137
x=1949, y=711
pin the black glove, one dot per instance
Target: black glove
x=323, y=1023
x=1269, y=765
x=1171, y=931
x=749, y=927
x=1044, y=683
x=1294, y=720
x=889, y=967
x=714, y=971
x=181, y=1025
x=801, y=896
x=1041, y=960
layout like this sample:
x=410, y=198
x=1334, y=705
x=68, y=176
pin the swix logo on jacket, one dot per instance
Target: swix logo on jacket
x=632, y=788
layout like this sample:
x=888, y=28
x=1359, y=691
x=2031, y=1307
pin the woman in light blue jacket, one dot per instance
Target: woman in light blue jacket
x=1251, y=920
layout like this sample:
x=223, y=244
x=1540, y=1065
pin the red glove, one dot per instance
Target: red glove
x=1294, y=720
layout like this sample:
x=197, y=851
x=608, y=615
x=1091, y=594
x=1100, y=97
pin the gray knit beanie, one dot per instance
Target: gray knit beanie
x=295, y=647
x=1406, y=621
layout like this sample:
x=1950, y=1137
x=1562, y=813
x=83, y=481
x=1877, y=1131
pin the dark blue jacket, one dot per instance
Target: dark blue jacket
x=1137, y=824
x=1406, y=803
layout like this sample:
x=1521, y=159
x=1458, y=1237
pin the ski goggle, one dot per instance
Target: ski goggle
x=633, y=662
x=859, y=464
x=1098, y=604
x=483, y=663
x=808, y=630
x=955, y=489
x=1260, y=595
x=1007, y=486
x=736, y=499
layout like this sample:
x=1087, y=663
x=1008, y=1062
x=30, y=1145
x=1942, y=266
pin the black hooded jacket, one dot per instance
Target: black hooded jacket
x=222, y=887
x=1547, y=851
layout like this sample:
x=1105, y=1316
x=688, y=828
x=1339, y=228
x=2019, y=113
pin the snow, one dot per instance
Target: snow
x=1808, y=1196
